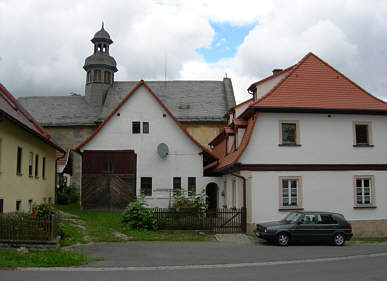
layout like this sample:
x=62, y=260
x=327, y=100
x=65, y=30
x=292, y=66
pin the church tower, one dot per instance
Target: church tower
x=100, y=68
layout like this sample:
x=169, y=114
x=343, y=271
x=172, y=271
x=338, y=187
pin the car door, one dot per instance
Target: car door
x=305, y=229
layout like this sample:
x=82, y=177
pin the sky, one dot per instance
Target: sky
x=44, y=42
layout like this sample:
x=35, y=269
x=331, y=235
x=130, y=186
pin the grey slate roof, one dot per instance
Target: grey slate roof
x=61, y=111
x=187, y=100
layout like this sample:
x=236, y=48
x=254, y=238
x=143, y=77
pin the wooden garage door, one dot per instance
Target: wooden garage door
x=108, y=178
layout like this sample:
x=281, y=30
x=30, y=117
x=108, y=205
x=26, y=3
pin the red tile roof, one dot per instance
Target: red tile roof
x=233, y=157
x=62, y=158
x=12, y=110
x=142, y=83
x=313, y=83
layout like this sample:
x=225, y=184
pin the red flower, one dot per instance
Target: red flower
x=33, y=213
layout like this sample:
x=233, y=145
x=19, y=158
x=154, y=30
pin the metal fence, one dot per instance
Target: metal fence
x=27, y=229
x=217, y=220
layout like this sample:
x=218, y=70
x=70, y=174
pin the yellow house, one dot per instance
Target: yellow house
x=27, y=158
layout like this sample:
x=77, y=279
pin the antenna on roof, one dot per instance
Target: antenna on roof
x=165, y=66
x=225, y=74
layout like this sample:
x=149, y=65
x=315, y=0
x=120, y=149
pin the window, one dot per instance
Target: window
x=36, y=166
x=362, y=134
x=30, y=205
x=192, y=184
x=44, y=168
x=136, y=127
x=88, y=77
x=107, y=77
x=146, y=186
x=326, y=219
x=290, y=193
x=176, y=183
x=97, y=75
x=289, y=133
x=49, y=200
x=19, y=161
x=145, y=127
x=30, y=163
x=18, y=205
x=1, y=206
x=364, y=191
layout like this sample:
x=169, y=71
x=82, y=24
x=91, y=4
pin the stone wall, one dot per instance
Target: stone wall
x=204, y=132
x=70, y=137
x=369, y=228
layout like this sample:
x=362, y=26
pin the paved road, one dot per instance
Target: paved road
x=221, y=261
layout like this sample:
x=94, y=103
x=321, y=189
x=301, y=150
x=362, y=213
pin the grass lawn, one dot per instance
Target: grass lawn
x=369, y=240
x=48, y=258
x=71, y=234
x=101, y=224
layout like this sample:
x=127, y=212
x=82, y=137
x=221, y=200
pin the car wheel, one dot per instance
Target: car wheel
x=338, y=239
x=283, y=239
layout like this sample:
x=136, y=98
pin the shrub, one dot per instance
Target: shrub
x=67, y=194
x=43, y=210
x=138, y=216
x=196, y=201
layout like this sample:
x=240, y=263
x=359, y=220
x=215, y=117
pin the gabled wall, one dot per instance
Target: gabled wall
x=184, y=159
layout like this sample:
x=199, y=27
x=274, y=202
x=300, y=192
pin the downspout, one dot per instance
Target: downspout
x=244, y=208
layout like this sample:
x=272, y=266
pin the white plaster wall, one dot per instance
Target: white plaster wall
x=229, y=192
x=240, y=109
x=323, y=139
x=265, y=87
x=322, y=191
x=183, y=160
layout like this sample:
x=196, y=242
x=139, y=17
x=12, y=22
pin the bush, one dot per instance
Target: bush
x=43, y=210
x=67, y=194
x=138, y=216
x=194, y=201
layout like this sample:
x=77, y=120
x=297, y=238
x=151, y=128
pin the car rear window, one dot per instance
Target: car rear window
x=327, y=219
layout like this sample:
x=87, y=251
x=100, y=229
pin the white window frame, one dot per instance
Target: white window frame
x=298, y=205
x=371, y=187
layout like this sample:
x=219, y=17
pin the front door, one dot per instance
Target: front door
x=212, y=196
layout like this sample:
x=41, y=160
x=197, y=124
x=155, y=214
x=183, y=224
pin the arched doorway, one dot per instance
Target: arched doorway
x=212, y=195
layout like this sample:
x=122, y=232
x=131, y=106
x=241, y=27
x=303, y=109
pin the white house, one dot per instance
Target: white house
x=310, y=139
x=141, y=146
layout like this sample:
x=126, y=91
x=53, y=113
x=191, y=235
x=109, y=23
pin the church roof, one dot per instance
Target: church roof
x=189, y=101
x=102, y=35
x=100, y=59
x=61, y=111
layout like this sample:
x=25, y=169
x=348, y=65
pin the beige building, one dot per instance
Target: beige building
x=27, y=158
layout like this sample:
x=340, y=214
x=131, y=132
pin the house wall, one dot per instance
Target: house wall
x=204, y=132
x=322, y=191
x=184, y=159
x=323, y=140
x=70, y=137
x=15, y=187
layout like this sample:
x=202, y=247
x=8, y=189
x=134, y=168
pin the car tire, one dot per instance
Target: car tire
x=338, y=239
x=283, y=239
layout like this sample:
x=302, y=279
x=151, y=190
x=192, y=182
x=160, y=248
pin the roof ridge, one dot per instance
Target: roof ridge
x=295, y=67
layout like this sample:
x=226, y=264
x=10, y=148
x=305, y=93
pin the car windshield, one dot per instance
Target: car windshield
x=292, y=217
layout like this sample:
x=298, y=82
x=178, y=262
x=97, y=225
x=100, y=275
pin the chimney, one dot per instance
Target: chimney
x=276, y=70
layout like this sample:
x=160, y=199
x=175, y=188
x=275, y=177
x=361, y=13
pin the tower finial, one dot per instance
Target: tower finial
x=102, y=24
